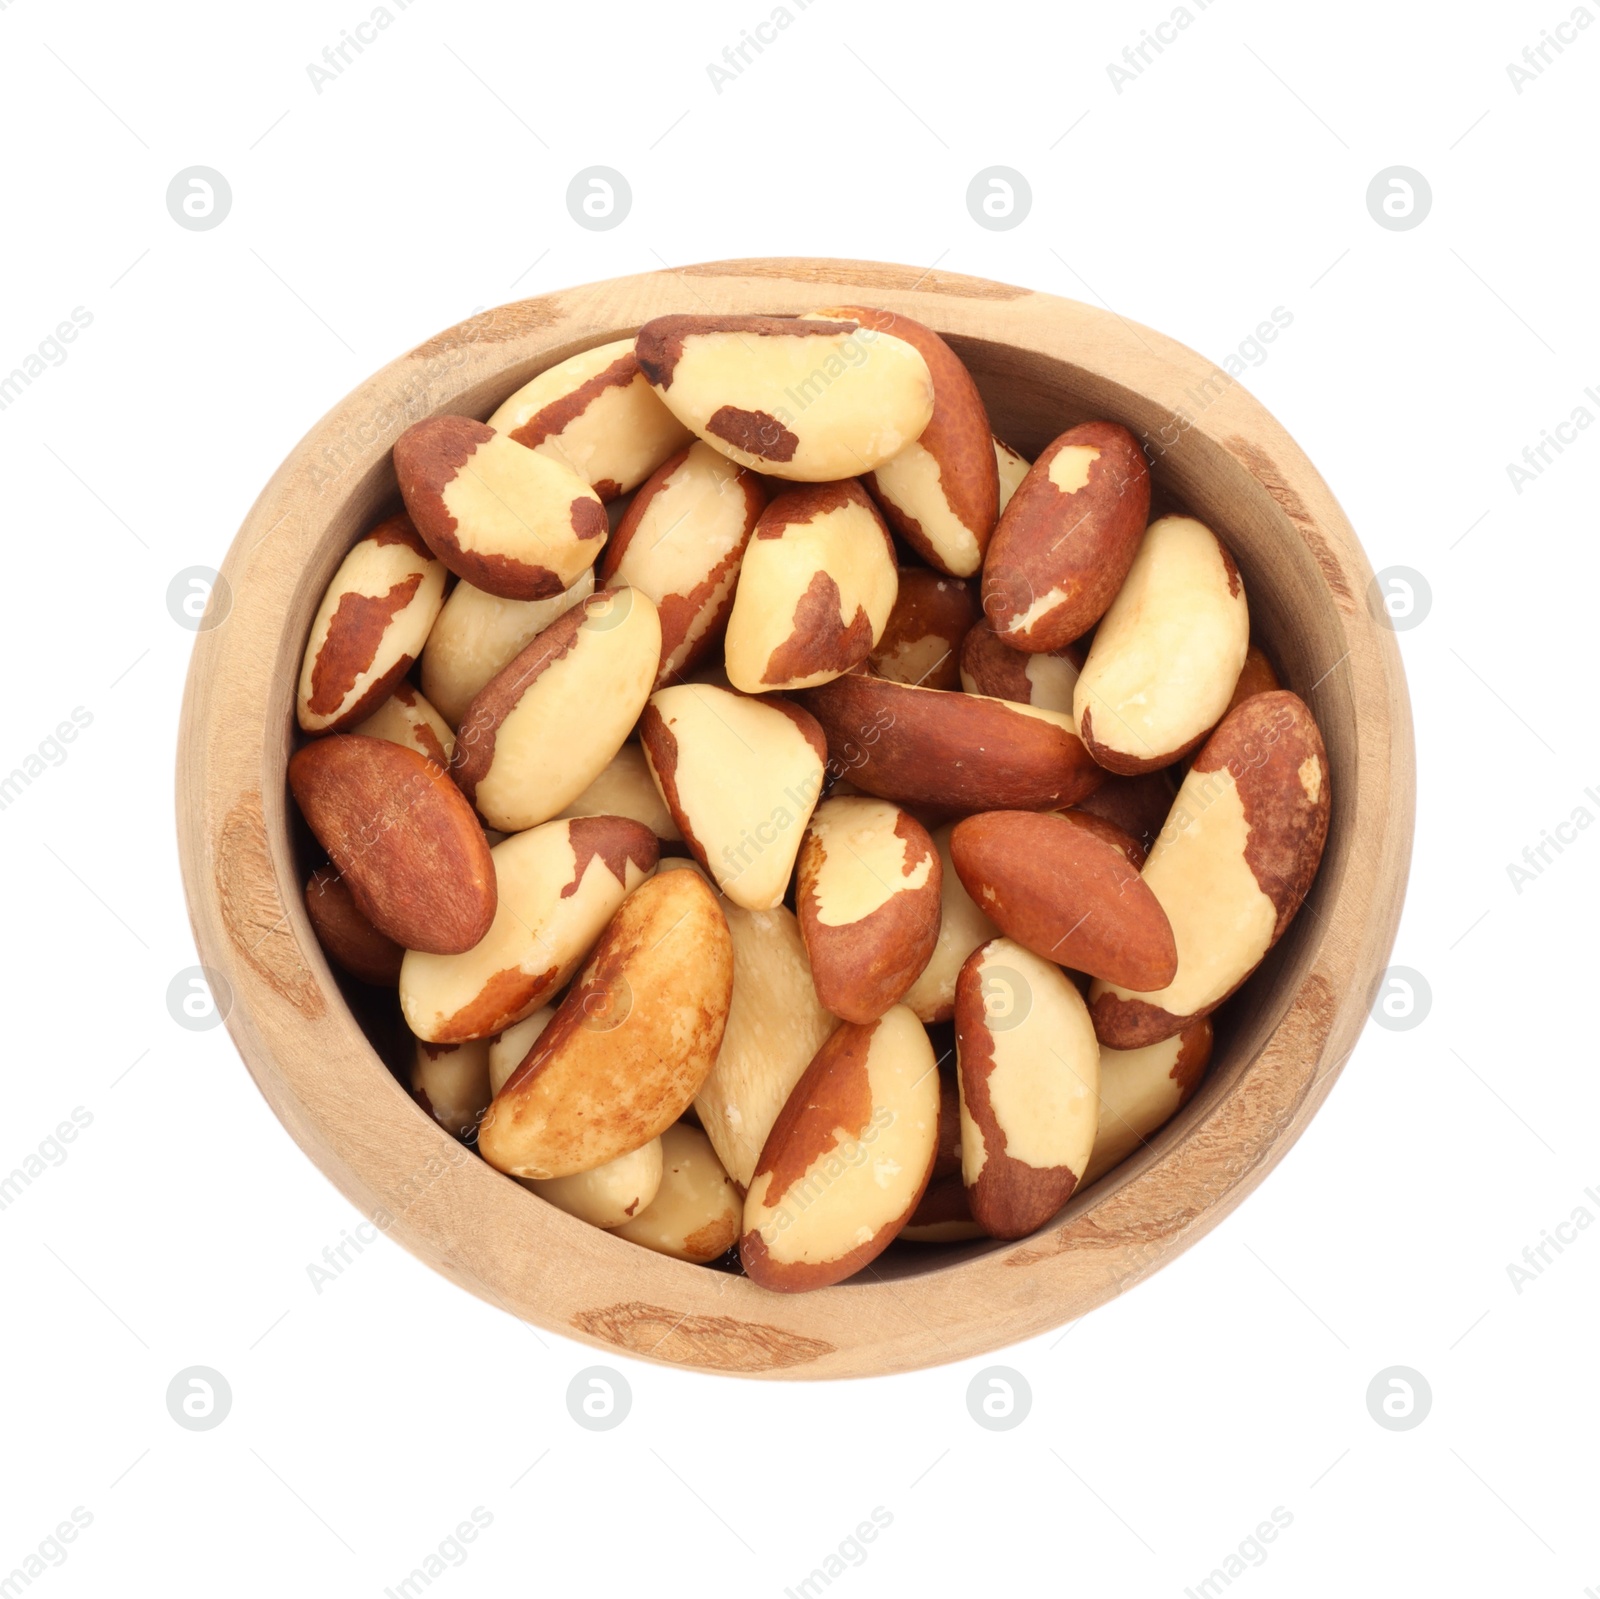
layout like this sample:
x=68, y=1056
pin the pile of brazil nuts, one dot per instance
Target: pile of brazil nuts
x=776, y=737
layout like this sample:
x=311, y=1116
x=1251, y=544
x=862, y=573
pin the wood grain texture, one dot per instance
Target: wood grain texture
x=1043, y=364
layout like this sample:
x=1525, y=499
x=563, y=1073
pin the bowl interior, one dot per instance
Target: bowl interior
x=1031, y=398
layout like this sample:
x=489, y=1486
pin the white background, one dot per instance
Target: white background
x=428, y=180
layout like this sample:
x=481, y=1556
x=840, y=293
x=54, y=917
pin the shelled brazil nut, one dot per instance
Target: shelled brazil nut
x=682, y=540
x=816, y=590
x=578, y=688
x=867, y=893
x=372, y=623
x=596, y=414
x=1231, y=867
x=507, y=519
x=1068, y=537
x=815, y=399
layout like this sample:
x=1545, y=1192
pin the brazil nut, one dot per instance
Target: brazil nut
x=597, y=414
x=812, y=399
x=507, y=519
x=815, y=592
x=371, y=625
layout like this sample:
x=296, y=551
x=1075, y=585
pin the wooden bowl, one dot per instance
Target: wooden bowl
x=1043, y=364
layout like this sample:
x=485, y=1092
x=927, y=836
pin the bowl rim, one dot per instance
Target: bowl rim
x=324, y=1080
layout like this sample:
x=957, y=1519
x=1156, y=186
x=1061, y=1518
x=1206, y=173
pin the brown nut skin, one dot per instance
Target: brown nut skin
x=947, y=1151
x=348, y=939
x=1135, y=805
x=943, y=1217
x=402, y=836
x=1257, y=677
x=847, y=1160
x=1067, y=538
x=868, y=904
x=932, y=614
x=1045, y=678
x=1141, y=1090
x=369, y=628
x=1030, y=1075
x=956, y=752
x=1126, y=845
x=630, y=1045
x=1057, y=884
x=535, y=539
x=682, y=540
x=1232, y=866
x=945, y=507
